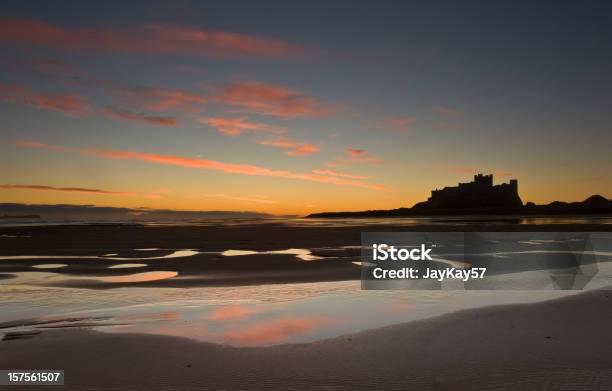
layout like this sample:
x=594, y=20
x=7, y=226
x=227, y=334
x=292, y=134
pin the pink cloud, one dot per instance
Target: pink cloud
x=159, y=99
x=64, y=189
x=354, y=156
x=304, y=150
x=127, y=115
x=356, y=152
x=71, y=105
x=398, y=124
x=339, y=174
x=41, y=65
x=204, y=164
x=152, y=39
x=275, y=331
x=293, y=148
x=361, y=156
x=268, y=99
x=36, y=144
x=237, y=126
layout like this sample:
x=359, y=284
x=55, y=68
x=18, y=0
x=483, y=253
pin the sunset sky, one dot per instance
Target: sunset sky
x=300, y=107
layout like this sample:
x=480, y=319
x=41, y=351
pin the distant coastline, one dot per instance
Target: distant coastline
x=481, y=197
x=32, y=216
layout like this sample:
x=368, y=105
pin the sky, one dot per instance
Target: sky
x=301, y=107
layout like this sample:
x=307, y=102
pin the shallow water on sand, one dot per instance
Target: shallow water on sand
x=241, y=316
x=255, y=315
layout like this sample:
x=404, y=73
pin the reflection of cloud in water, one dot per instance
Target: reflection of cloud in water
x=275, y=331
x=233, y=253
x=49, y=266
x=399, y=308
x=231, y=312
x=140, y=277
x=363, y=263
x=301, y=253
x=175, y=254
x=127, y=265
x=146, y=249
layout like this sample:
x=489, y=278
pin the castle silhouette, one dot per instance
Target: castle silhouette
x=481, y=197
x=480, y=193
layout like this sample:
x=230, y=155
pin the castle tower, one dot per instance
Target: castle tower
x=514, y=185
x=484, y=180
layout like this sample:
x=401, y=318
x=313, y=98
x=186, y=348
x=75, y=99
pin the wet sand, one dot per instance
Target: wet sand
x=562, y=344
x=209, y=268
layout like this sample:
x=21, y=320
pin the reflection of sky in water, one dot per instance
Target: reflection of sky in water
x=257, y=315
x=110, y=257
x=50, y=266
x=252, y=315
x=300, y=253
x=127, y=265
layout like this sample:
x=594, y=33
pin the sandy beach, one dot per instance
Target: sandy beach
x=271, y=319
x=557, y=345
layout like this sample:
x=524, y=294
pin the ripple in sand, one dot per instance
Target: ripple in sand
x=49, y=266
x=127, y=265
x=140, y=277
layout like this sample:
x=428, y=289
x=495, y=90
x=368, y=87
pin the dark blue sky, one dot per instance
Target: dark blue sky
x=430, y=91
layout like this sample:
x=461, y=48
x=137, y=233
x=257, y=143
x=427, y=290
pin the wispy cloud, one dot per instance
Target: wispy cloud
x=37, y=144
x=237, y=126
x=269, y=99
x=292, y=147
x=397, y=124
x=47, y=66
x=63, y=189
x=158, y=99
x=127, y=115
x=354, y=156
x=251, y=199
x=146, y=39
x=204, y=164
x=339, y=174
x=71, y=105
